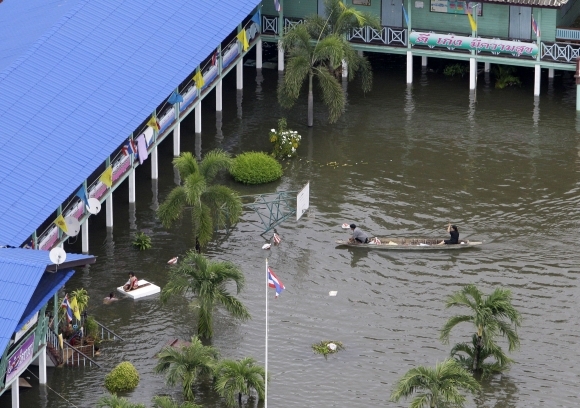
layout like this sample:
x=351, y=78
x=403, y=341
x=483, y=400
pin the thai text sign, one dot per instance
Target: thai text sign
x=20, y=359
x=450, y=41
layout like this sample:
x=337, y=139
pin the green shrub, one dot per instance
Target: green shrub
x=326, y=347
x=455, y=69
x=124, y=377
x=255, y=168
x=285, y=141
x=142, y=241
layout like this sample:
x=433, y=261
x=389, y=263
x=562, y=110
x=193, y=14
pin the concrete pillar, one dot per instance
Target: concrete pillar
x=154, y=164
x=550, y=72
x=409, y=67
x=423, y=61
x=361, y=53
x=344, y=69
x=109, y=208
x=42, y=366
x=131, y=178
x=259, y=53
x=198, y=117
x=177, y=139
x=218, y=96
x=577, y=97
x=280, y=58
x=537, y=73
x=198, y=146
x=15, y=394
x=472, y=73
x=486, y=66
x=85, y=236
x=240, y=74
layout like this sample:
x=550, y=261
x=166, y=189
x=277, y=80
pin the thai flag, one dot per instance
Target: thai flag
x=277, y=5
x=66, y=305
x=274, y=282
x=276, y=239
x=535, y=26
x=214, y=59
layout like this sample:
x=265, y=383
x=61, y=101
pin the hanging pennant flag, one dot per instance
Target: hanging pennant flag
x=75, y=308
x=82, y=194
x=277, y=5
x=107, y=177
x=214, y=59
x=256, y=18
x=175, y=98
x=405, y=14
x=142, y=146
x=198, y=78
x=243, y=39
x=60, y=222
x=66, y=305
x=472, y=22
x=535, y=27
x=153, y=123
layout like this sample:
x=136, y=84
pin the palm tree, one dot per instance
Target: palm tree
x=212, y=206
x=239, y=377
x=207, y=280
x=492, y=316
x=186, y=364
x=464, y=353
x=167, y=402
x=112, y=401
x=316, y=49
x=436, y=387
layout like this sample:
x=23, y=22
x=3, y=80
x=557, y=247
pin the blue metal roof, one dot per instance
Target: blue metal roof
x=85, y=85
x=21, y=271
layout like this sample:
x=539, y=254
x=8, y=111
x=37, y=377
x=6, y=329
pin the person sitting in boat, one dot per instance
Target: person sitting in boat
x=132, y=283
x=111, y=298
x=454, y=232
x=358, y=235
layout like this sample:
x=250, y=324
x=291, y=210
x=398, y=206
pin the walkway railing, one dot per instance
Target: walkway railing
x=570, y=34
x=561, y=52
x=110, y=334
x=69, y=354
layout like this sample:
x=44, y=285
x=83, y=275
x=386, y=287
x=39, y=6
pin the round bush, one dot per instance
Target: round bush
x=124, y=377
x=255, y=168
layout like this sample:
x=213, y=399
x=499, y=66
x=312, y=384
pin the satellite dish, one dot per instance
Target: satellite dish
x=57, y=255
x=73, y=226
x=94, y=206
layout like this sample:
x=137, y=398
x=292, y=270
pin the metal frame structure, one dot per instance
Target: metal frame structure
x=280, y=206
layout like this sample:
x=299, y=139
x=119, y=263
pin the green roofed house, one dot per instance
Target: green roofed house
x=529, y=33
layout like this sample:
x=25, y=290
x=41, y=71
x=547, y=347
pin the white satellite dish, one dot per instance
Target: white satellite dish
x=94, y=206
x=73, y=226
x=57, y=255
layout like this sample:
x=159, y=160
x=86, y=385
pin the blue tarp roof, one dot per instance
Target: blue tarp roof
x=21, y=270
x=85, y=85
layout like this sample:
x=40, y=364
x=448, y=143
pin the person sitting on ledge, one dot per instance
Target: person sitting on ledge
x=132, y=283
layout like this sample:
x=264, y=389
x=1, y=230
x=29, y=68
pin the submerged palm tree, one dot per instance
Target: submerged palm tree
x=186, y=364
x=112, y=401
x=437, y=387
x=316, y=50
x=167, y=402
x=212, y=206
x=207, y=280
x=239, y=377
x=465, y=353
x=491, y=316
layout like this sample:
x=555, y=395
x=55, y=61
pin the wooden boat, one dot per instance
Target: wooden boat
x=397, y=244
x=144, y=289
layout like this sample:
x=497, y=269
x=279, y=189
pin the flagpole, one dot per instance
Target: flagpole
x=266, y=359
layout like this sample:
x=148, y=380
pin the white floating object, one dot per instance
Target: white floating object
x=332, y=346
x=94, y=205
x=345, y=226
x=144, y=289
x=173, y=261
x=57, y=255
x=266, y=246
x=73, y=226
x=332, y=293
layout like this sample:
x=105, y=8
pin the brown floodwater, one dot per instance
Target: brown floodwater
x=402, y=161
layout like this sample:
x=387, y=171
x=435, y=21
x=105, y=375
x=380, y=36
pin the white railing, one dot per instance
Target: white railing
x=567, y=34
x=386, y=36
x=561, y=52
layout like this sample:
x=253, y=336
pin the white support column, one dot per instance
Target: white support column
x=198, y=117
x=409, y=67
x=344, y=69
x=85, y=236
x=240, y=74
x=486, y=66
x=154, y=164
x=109, y=208
x=537, y=74
x=218, y=96
x=472, y=73
x=15, y=394
x=42, y=366
x=280, y=58
x=361, y=53
x=423, y=61
x=177, y=139
x=132, y=186
x=550, y=72
x=259, y=53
